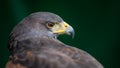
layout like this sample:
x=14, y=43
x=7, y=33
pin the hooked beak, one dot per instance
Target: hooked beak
x=64, y=28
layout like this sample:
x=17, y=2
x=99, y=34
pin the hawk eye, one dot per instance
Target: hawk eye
x=51, y=24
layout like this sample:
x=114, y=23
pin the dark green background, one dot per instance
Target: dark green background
x=96, y=23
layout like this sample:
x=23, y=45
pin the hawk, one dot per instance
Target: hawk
x=33, y=43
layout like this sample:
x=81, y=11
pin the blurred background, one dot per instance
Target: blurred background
x=96, y=23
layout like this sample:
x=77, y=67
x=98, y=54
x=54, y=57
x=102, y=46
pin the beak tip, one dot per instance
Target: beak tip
x=70, y=31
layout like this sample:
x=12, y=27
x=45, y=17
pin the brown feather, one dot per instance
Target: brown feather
x=10, y=64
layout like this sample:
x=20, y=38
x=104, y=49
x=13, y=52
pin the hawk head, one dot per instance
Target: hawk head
x=42, y=24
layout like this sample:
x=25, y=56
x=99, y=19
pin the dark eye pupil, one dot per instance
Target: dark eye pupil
x=50, y=24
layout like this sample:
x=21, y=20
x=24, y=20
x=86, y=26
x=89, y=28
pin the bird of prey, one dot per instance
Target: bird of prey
x=33, y=43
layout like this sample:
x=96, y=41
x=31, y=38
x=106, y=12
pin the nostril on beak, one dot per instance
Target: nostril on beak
x=66, y=26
